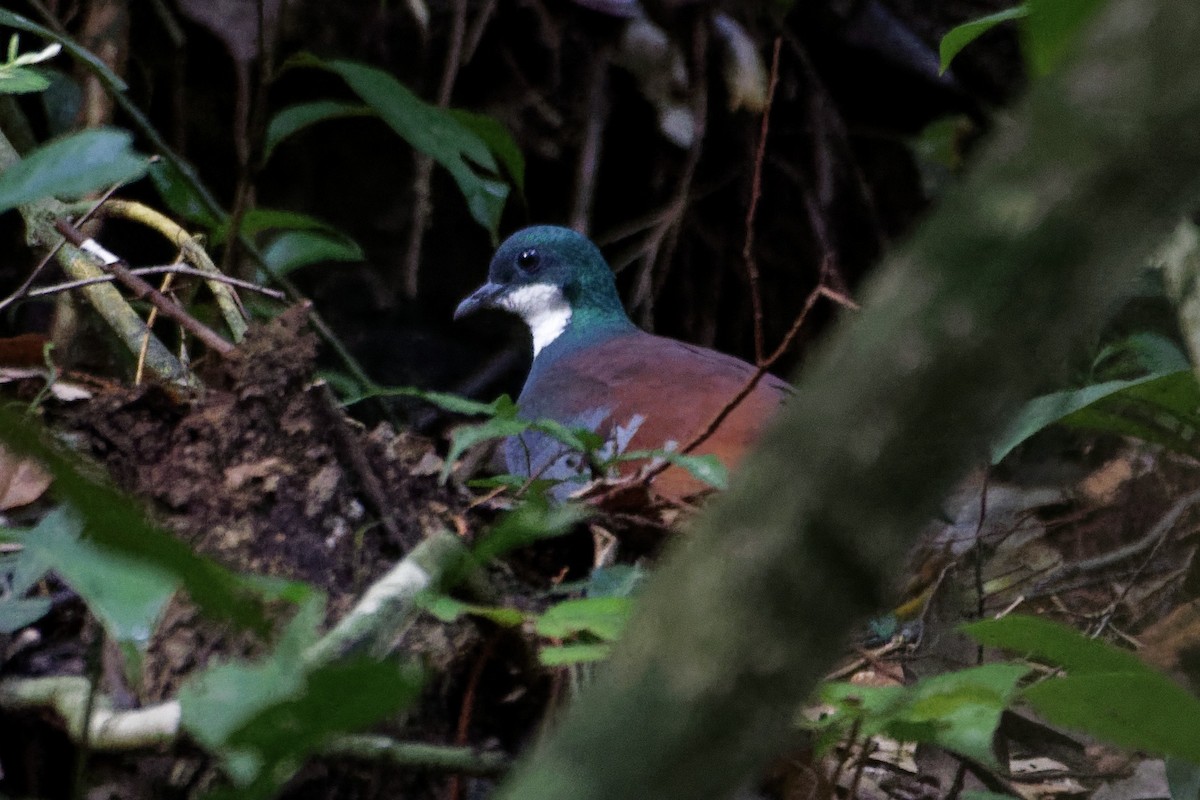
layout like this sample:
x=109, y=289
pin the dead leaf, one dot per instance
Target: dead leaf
x=21, y=481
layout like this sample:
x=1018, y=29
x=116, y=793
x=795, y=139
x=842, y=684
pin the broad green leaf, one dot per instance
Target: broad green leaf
x=180, y=195
x=531, y=521
x=435, y=132
x=71, y=166
x=1142, y=710
x=334, y=699
x=602, y=617
x=1052, y=27
x=962, y=709
x=220, y=700
x=294, y=249
x=958, y=711
x=112, y=521
x=447, y=609
x=959, y=37
x=566, y=655
x=706, y=468
x=1163, y=408
x=1054, y=643
x=125, y=593
x=22, y=80
x=298, y=117
x=16, y=613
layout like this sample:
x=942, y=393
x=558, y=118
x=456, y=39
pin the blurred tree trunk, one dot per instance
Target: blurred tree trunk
x=974, y=315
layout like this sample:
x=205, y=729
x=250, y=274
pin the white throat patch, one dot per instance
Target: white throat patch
x=544, y=310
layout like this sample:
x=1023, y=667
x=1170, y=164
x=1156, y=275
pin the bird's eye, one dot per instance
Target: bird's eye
x=528, y=259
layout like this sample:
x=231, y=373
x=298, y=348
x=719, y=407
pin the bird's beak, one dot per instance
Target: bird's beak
x=483, y=297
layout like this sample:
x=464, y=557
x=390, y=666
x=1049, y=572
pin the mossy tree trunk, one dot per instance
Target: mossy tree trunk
x=977, y=313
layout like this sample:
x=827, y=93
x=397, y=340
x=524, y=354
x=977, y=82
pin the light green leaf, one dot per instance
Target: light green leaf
x=959, y=37
x=298, y=117
x=22, y=80
x=16, y=613
x=72, y=166
x=566, y=655
x=126, y=594
x=1142, y=710
x=958, y=711
x=499, y=140
x=602, y=617
x=447, y=609
x=706, y=468
x=1052, y=642
x=294, y=249
x=115, y=523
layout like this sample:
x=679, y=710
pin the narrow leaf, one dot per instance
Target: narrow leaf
x=298, y=117
x=959, y=37
x=71, y=166
x=1053, y=643
x=295, y=249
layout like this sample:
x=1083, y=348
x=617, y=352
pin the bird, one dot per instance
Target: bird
x=594, y=368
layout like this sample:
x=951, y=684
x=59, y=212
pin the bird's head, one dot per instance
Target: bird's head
x=552, y=278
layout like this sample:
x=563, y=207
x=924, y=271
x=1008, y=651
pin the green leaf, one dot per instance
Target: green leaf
x=1162, y=408
x=1053, y=643
x=502, y=406
x=113, y=522
x=298, y=117
x=71, y=166
x=959, y=37
x=1142, y=710
x=225, y=696
x=264, y=718
x=337, y=698
x=294, y=249
x=706, y=468
x=499, y=140
x=531, y=521
x=16, y=613
x=566, y=655
x=963, y=708
x=958, y=711
x=181, y=196
x=435, y=132
x=1052, y=28
x=22, y=80
x=447, y=609
x=602, y=617
x=126, y=594
x=467, y=436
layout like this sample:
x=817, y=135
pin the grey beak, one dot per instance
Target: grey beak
x=483, y=297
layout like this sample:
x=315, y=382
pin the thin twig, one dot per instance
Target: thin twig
x=23, y=290
x=177, y=269
x=143, y=290
x=752, y=210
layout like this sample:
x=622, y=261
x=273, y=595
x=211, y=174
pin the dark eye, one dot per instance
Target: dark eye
x=529, y=259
